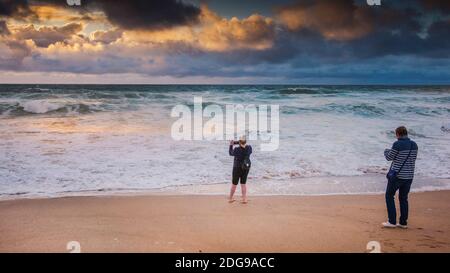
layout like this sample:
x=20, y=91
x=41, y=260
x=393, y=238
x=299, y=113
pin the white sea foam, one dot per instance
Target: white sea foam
x=39, y=106
x=125, y=145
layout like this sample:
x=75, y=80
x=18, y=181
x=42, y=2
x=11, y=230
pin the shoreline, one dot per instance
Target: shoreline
x=208, y=223
x=149, y=193
x=295, y=187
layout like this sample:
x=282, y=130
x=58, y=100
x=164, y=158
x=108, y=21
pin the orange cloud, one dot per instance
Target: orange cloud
x=220, y=34
x=44, y=13
x=211, y=32
x=214, y=33
x=45, y=36
x=335, y=20
x=51, y=40
x=182, y=34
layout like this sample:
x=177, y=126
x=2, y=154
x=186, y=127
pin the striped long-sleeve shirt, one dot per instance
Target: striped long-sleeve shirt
x=398, y=153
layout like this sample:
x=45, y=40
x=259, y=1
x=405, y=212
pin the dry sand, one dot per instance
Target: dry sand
x=183, y=223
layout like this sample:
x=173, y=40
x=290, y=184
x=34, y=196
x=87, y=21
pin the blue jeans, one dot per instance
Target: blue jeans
x=403, y=186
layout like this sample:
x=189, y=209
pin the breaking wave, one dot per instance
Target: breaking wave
x=35, y=107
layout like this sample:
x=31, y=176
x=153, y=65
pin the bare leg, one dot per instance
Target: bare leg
x=244, y=193
x=232, y=191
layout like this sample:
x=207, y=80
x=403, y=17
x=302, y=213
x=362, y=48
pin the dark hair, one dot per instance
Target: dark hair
x=401, y=131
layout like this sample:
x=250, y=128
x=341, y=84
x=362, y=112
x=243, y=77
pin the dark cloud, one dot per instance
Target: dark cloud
x=13, y=53
x=3, y=28
x=438, y=40
x=133, y=14
x=405, y=36
x=147, y=14
x=335, y=20
x=339, y=40
x=393, y=29
x=14, y=7
x=348, y=20
x=439, y=5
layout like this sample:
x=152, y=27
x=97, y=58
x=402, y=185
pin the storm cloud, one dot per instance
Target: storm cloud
x=301, y=41
x=134, y=14
x=4, y=28
x=335, y=20
x=14, y=7
x=437, y=5
x=148, y=14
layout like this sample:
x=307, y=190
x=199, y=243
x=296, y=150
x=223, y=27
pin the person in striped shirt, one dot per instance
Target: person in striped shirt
x=403, y=155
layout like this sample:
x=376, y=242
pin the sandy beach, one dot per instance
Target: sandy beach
x=201, y=223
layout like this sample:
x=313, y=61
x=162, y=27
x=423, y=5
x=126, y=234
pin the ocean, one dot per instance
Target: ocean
x=60, y=140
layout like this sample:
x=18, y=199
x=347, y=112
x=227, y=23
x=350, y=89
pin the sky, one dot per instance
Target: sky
x=225, y=42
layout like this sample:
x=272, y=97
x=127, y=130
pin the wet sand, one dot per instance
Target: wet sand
x=207, y=223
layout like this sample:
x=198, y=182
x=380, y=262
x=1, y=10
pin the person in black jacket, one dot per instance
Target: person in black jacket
x=240, y=153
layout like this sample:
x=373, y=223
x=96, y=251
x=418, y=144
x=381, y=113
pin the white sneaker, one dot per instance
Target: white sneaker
x=402, y=226
x=388, y=225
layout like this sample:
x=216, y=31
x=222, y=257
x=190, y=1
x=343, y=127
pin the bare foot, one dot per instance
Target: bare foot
x=244, y=201
x=231, y=200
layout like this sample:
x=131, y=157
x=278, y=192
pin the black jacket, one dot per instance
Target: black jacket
x=239, y=154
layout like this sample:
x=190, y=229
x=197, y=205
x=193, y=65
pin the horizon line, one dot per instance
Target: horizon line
x=245, y=84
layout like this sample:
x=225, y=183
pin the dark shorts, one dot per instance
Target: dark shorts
x=239, y=174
